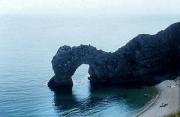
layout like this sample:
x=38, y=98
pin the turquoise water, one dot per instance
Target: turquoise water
x=27, y=45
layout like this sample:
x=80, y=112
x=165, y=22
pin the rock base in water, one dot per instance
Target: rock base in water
x=63, y=86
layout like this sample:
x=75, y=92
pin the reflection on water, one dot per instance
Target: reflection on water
x=106, y=101
x=101, y=100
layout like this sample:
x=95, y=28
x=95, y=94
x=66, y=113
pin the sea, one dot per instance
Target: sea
x=28, y=44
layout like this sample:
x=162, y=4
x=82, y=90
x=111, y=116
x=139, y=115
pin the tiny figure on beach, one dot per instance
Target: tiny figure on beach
x=171, y=86
x=163, y=104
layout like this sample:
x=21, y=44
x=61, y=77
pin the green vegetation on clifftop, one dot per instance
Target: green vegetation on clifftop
x=174, y=115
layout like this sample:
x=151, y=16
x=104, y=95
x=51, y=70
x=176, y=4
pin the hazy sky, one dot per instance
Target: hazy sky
x=89, y=7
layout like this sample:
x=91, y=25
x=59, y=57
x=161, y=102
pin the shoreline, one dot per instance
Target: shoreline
x=149, y=104
x=167, y=100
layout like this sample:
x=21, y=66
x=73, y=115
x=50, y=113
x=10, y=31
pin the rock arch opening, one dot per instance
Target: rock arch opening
x=81, y=74
x=80, y=81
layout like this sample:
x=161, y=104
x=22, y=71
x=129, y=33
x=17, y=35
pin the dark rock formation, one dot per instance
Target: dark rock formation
x=140, y=62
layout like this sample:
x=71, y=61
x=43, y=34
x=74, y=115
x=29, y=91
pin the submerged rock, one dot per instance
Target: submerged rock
x=140, y=62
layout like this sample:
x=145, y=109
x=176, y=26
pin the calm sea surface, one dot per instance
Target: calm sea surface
x=27, y=45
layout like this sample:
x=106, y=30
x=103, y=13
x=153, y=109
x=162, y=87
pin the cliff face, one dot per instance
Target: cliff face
x=140, y=61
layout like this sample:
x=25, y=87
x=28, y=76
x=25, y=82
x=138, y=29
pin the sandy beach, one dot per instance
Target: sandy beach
x=166, y=102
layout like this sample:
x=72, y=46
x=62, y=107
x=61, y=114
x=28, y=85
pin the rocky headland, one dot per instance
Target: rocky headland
x=142, y=61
